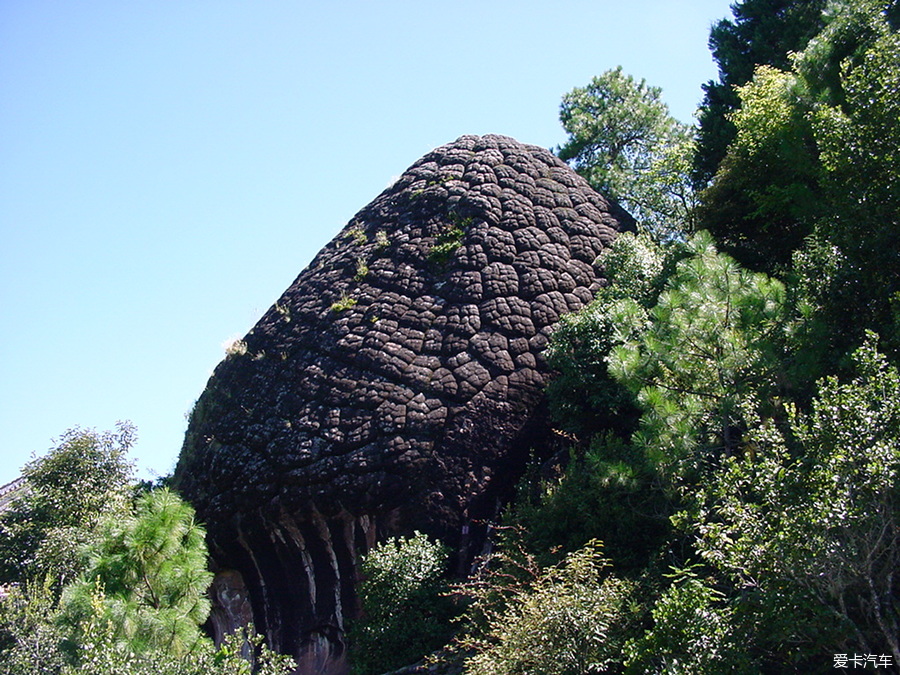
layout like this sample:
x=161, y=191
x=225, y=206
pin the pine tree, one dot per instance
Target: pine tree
x=150, y=568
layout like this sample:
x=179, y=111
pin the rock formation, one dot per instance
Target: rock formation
x=396, y=385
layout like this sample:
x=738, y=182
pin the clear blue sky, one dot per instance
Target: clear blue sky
x=168, y=168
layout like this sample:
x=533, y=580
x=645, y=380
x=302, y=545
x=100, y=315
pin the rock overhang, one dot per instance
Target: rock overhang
x=400, y=377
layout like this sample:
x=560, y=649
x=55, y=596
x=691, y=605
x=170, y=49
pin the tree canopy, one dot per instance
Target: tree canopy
x=149, y=569
x=623, y=140
x=67, y=492
x=762, y=32
x=105, y=578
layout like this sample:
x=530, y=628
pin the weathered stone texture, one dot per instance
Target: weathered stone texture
x=396, y=384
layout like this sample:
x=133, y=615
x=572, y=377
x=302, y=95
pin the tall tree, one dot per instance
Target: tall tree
x=763, y=32
x=623, y=140
x=808, y=523
x=765, y=197
x=67, y=493
x=584, y=398
x=696, y=358
x=812, y=170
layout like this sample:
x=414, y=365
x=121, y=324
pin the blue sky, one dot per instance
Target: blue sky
x=168, y=168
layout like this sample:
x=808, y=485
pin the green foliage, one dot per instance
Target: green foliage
x=762, y=32
x=813, y=157
x=150, y=569
x=820, y=287
x=820, y=521
x=405, y=611
x=101, y=652
x=566, y=622
x=638, y=267
x=29, y=639
x=856, y=128
x=584, y=399
x=624, y=142
x=83, y=479
x=695, y=359
x=357, y=234
x=31, y=645
x=693, y=631
x=765, y=198
x=137, y=607
x=609, y=493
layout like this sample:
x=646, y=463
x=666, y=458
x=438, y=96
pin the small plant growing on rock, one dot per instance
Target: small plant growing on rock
x=357, y=234
x=445, y=245
x=362, y=269
x=284, y=310
x=450, y=239
x=461, y=222
x=381, y=239
x=236, y=348
x=346, y=302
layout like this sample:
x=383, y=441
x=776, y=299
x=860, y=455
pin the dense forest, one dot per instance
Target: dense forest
x=728, y=500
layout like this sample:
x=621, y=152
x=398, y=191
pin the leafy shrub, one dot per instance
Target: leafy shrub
x=29, y=638
x=566, y=622
x=606, y=493
x=405, y=611
x=362, y=269
x=69, y=490
x=584, y=398
x=693, y=632
x=825, y=528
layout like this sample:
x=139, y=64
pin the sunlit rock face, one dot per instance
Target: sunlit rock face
x=396, y=385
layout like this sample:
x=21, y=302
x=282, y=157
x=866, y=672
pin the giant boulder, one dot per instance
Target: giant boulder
x=397, y=384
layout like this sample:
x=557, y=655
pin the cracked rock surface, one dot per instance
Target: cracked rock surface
x=397, y=384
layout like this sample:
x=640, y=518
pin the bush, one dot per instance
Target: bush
x=86, y=477
x=606, y=493
x=569, y=621
x=405, y=610
x=693, y=632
